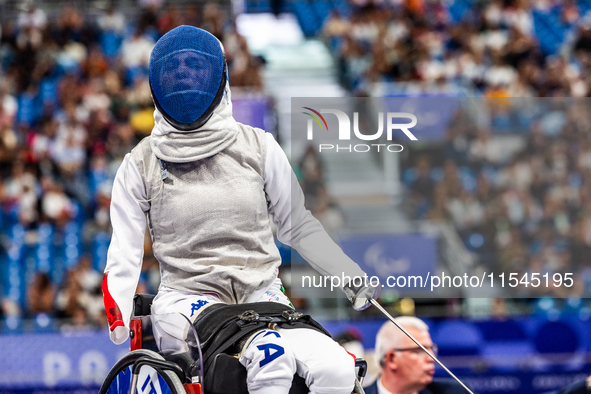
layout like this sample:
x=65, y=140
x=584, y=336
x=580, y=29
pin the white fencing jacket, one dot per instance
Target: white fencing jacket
x=209, y=219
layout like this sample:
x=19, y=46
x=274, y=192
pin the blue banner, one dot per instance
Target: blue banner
x=522, y=382
x=75, y=359
x=388, y=255
x=528, y=355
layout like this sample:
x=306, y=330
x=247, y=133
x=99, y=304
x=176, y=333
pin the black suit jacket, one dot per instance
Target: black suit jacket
x=435, y=387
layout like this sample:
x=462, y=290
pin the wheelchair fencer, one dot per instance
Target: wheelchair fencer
x=206, y=361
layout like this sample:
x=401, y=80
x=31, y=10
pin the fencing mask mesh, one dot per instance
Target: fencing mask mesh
x=187, y=76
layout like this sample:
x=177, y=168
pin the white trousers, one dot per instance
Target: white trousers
x=273, y=357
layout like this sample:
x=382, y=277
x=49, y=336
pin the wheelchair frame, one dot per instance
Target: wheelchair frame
x=175, y=370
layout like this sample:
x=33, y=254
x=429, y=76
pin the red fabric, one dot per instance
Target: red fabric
x=194, y=388
x=350, y=354
x=113, y=312
x=136, y=338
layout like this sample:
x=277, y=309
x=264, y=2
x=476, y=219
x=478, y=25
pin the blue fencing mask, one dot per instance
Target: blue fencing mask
x=187, y=76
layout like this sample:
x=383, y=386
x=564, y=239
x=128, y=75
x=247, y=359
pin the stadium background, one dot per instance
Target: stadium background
x=510, y=190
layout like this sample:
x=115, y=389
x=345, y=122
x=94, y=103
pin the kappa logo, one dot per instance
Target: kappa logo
x=272, y=296
x=197, y=305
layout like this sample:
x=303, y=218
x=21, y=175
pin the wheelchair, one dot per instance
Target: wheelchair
x=205, y=361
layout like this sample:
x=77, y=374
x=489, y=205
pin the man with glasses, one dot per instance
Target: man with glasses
x=406, y=368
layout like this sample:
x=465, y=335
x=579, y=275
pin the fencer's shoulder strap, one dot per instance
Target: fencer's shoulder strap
x=143, y=157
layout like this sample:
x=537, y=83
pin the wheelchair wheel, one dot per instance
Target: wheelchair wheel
x=118, y=380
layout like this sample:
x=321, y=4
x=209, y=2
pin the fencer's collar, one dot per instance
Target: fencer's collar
x=179, y=146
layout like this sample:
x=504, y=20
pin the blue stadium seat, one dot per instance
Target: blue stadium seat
x=133, y=73
x=264, y=6
x=467, y=178
x=501, y=123
x=343, y=6
x=12, y=324
x=44, y=323
x=14, y=285
x=48, y=92
x=79, y=216
x=110, y=43
x=573, y=305
x=258, y=6
x=72, y=244
x=549, y=30
x=100, y=246
x=457, y=10
x=307, y=18
x=322, y=9
x=28, y=110
x=153, y=33
x=546, y=306
x=409, y=176
x=97, y=178
x=44, y=252
x=584, y=6
x=474, y=241
x=29, y=263
x=437, y=174
x=59, y=264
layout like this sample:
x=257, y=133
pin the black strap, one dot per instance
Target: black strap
x=142, y=304
x=221, y=326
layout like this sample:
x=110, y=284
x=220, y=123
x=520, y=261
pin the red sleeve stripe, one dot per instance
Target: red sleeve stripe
x=114, y=315
x=352, y=355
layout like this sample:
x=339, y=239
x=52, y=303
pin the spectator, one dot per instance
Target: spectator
x=529, y=210
x=56, y=206
x=423, y=185
x=327, y=212
x=80, y=299
x=312, y=181
x=8, y=147
x=90, y=298
x=112, y=20
x=351, y=340
x=67, y=300
x=135, y=50
x=41, y=295
x=405, y=367
x=20, y=193
x=31, y=23
x=170, y=19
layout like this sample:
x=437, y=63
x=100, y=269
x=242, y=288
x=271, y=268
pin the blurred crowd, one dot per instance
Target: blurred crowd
x=520, y=201
x=517, y=189
x=495, y=48
x=310, y=171
x=74, y=99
